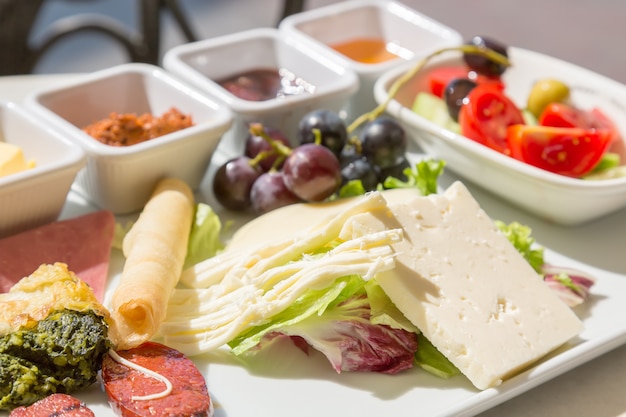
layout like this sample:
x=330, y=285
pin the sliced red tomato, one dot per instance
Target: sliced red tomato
x=563, y=115
x=570, y=151
x=602, y=121
x=487, y=115
x=438, y=78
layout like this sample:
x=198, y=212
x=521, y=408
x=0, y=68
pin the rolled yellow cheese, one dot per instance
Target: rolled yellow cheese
x=155, y=250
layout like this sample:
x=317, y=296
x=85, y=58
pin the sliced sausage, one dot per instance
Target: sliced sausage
x=189, y=396
x=54, y=405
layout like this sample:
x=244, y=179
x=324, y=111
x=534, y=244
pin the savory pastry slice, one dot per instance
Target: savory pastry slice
x=53, y=335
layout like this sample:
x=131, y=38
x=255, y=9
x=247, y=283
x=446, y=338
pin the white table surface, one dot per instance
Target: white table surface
x=597, y=388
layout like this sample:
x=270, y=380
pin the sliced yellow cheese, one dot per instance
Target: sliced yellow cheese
x=298, y=219
x=12, y=160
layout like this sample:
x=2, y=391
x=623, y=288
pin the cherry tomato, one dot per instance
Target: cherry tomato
x=569, y=151
x=563, y=115
x=487, y=115
x=602, y=121
x=438, y=78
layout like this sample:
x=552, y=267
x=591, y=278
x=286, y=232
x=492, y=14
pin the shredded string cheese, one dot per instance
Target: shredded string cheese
x=168, y=385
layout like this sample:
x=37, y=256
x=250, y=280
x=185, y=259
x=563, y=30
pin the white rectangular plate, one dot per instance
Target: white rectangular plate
x=283, y=381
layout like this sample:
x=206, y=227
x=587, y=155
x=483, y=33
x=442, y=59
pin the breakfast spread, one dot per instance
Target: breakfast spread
x=361, y=251
x=427, y=253
x=372, y=266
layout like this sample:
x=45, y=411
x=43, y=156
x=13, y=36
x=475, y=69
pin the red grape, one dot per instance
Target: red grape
x=255, y=144
x=269, y=193
x=312, y=172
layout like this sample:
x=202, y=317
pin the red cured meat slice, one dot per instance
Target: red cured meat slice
x=83, y=243
x=189, y=396
x=55, y=405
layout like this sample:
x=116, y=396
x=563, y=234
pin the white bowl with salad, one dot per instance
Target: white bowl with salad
x=546, y=134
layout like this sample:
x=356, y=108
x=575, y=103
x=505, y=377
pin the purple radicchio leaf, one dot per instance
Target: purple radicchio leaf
x=571, y=285
x=350, y=342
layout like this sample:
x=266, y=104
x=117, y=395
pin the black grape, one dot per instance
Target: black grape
x=383, y=142
x=332, y=129
x=396, y=171
x=360, y=169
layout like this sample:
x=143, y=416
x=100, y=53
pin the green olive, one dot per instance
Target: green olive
x=544, y=92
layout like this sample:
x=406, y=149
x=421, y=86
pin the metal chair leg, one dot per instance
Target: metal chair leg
x=291, y=7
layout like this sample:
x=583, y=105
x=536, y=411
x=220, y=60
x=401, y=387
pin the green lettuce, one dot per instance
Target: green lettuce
x=204, y=238
x=423, y=176
x=520, y=236
x=336, y=322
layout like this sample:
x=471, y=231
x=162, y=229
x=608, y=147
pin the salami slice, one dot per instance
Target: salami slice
x=188, y=397
x=55, y=405
x=83, y=243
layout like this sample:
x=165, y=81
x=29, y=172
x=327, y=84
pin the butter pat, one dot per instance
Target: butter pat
x=12, y=159
x=466, y=287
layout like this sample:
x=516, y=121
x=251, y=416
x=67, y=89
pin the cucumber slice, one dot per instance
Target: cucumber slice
x=434, y=109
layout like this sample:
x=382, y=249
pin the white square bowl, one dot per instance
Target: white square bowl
x=36, y=196
x=121, y=179
x=406, y=31
x=204, y=63
x=556, y=198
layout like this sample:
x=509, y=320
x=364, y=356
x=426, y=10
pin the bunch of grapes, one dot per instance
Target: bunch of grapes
x=271, y=173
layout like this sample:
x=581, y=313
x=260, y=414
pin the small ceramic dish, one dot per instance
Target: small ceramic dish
x=35, y=196
x=375, y=36
x=208, y=63
x=556, y=198
x=122, y=178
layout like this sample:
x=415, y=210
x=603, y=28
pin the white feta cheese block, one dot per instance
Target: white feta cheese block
x=465, y=286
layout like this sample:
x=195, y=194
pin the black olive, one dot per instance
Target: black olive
x=482, y=64
x=455, y=93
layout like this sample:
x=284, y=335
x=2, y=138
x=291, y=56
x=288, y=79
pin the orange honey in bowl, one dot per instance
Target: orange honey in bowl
x=365, y=50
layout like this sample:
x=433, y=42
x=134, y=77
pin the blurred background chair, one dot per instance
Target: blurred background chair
x=19, y=53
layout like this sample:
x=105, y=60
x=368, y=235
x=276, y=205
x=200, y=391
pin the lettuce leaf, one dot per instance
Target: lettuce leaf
x=336, y=322
x=519, y=236
x=423, y=176
x=204, y=238
x=433, y=361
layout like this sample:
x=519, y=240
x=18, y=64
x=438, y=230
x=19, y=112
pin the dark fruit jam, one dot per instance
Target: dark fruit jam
x=265, y=84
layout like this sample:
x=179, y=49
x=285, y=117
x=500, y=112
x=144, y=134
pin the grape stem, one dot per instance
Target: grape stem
x=410, y=73
x=278, y=148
